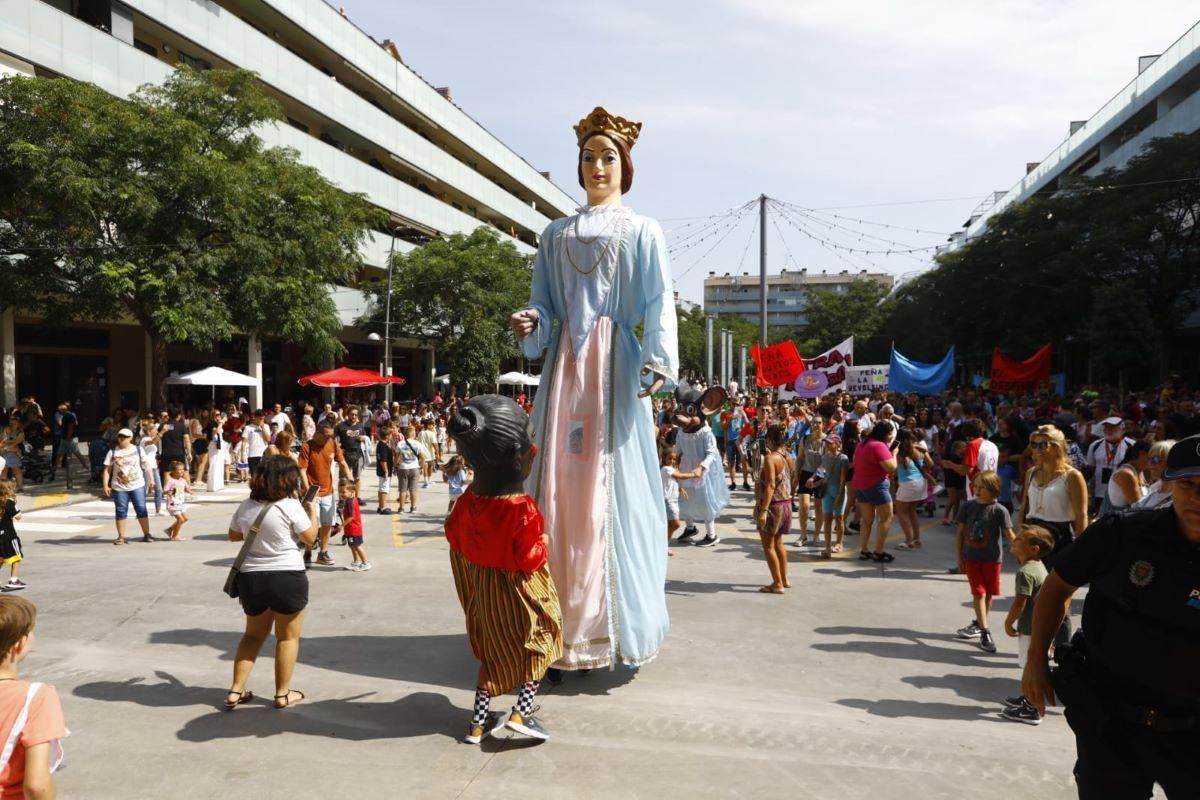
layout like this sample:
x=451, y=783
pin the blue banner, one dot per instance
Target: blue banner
x=908, y=376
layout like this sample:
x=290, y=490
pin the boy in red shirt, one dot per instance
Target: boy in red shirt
x=352, y=528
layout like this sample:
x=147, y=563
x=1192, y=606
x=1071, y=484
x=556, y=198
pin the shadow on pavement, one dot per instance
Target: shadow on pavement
x=972, y=687
x=598, y=682
x=438, y=659
x=965, y=656
x=893, y=572
x=899, y=709
x=417, y=714
x=689, y=588
x=105, y=539
x=171, y=692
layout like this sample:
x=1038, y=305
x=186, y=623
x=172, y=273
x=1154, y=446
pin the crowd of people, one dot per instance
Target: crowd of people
x=1025, y=473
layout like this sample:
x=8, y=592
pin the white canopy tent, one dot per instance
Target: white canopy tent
x=518, y=379
x=212, y=376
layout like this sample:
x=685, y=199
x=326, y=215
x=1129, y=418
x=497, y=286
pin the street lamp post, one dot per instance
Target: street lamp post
x=387, y=327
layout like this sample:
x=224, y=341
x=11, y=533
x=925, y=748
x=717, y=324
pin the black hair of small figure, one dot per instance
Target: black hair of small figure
x=494, y=436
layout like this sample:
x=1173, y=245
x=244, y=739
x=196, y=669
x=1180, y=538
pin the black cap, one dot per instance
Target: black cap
x=1184, y=459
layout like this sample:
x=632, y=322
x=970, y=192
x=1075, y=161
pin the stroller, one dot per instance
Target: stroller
x=35, y=464
x=97, y=450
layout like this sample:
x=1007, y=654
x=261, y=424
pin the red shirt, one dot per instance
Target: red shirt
x=351, y=518
x=498, y=532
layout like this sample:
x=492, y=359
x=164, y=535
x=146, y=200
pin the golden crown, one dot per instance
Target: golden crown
x=600, y=121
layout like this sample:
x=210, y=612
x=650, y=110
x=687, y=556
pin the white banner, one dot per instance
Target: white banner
x=867, y=379
x=834, y=363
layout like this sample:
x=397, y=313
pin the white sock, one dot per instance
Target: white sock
x=710, y=529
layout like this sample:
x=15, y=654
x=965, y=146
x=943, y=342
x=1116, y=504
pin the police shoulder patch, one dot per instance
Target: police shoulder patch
x=1141, y=573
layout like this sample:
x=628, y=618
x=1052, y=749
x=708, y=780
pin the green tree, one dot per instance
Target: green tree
x=833, y=316
x=1110, y=262
x=692, y=343
x=166, y=208
x=459, y=293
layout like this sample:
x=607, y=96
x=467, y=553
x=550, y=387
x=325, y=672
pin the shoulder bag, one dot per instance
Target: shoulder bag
x=231, y=581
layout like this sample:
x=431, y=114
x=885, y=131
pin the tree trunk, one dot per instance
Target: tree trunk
x=158, y=370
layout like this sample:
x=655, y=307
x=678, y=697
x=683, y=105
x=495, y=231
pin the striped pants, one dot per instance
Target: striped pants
x=513, y=621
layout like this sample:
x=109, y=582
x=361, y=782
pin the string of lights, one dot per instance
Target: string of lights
x=717, y=243
x=690, y=237
x=749, y=239
x=823, y=243
x=856, y=220
x=866, y=251
x=718, y=230
x=851, y=232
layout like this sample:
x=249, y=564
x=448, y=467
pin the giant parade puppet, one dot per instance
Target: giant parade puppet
x=599, y=274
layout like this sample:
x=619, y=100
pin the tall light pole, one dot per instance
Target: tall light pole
x=742, y=370
x=387, y=327
x=762, y=269
x=708, y=345
x=724, y=359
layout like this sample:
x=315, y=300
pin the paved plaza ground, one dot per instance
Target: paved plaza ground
x=850, y=686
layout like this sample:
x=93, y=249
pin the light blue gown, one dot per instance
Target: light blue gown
x=708, y=494
x=595, y=436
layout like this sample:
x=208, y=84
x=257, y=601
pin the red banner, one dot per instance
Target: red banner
x=777, y=364
x=1010, y=375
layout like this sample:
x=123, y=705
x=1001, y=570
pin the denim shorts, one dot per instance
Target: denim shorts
x=878, y=495
x=122, y=499
x=325, y=506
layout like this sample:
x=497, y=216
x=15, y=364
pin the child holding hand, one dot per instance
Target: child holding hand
x=671, y=476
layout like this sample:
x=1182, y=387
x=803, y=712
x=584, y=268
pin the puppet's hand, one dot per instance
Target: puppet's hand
x=654, y=387
x=523, y=322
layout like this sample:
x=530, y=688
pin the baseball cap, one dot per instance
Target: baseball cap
x=1114, y=420
x=125, y=432
x=1184, y=459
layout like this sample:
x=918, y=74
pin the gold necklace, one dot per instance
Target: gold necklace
x=613, y=222
x=616, y=237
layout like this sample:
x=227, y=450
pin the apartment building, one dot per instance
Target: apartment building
x=353, y=109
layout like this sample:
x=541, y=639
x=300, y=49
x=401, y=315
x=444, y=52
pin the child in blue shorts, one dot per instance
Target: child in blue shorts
x=832, y=491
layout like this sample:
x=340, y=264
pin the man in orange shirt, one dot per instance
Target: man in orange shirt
x=317, y=456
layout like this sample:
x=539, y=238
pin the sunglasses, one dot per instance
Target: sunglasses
x=1040, y=445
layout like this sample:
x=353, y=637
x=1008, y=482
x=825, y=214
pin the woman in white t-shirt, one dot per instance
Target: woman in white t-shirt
x=410, y=456
x=272, y=583
x=127, y=474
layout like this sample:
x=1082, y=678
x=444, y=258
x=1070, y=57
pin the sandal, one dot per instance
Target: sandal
x=770, y=589
x=287, y=698
x=827, y=554
x=865, y=555
x=119, y=541
x=242, y=697
x=148, y=538
x=884, y=557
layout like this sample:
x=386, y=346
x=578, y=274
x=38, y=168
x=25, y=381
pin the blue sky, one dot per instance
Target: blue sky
x=819, y=104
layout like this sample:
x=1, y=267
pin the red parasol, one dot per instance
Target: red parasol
x=347, y=378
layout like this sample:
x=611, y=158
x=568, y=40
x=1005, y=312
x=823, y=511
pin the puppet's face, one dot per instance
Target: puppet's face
x=692, y=406
x=600, y=165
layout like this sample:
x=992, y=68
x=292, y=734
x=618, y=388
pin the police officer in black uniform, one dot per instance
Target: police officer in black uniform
x=1130, y=679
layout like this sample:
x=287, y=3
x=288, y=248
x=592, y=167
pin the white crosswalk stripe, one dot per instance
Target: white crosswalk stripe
x=91, y=515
